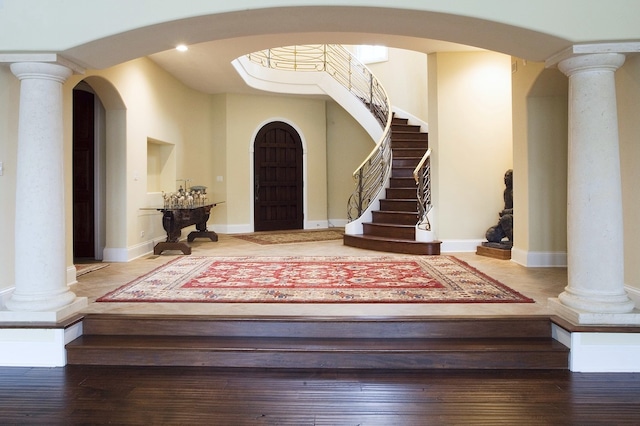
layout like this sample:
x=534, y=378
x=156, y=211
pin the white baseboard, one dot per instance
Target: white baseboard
x=72, y=276
x=338, y=223
x=459, y=246
x=634, y=294
x=539, y=259
x=316, y=224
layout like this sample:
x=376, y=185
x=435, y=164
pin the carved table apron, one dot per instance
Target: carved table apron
x=174, y=219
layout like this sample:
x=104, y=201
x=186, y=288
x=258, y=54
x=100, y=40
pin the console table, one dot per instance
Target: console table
x=174, y=219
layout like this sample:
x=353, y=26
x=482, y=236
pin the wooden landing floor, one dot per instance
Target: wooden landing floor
x=194, y=395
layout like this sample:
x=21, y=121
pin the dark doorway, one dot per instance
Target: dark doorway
x=278, y=175
x=83, y=174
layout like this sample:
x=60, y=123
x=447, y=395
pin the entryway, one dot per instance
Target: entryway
x=278, y=186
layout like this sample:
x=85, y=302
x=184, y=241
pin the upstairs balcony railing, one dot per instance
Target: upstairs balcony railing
x=370, y=177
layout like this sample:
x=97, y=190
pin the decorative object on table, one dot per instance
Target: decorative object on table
x=416, y=279
x=195, y=196
x=288, y=237
x=500, y=236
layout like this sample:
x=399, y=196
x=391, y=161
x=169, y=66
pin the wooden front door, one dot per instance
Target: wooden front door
x=278, y=178
x=83, y=175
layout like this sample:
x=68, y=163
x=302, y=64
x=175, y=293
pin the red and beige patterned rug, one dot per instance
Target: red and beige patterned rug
x=426, y=279
x=288, y=237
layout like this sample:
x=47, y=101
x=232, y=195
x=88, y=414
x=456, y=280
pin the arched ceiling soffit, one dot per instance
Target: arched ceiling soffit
x=217, y=39
x=144, y=41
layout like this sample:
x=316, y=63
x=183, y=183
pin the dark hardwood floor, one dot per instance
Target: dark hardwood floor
x=194, y=395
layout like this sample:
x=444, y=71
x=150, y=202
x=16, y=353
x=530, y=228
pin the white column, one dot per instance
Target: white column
x=40, y=265
x=594, y=210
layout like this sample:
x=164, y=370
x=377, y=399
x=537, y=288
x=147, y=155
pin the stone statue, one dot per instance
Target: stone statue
x=504, y=228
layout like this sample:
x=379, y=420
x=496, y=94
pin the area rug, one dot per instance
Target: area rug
x=427, y=279
x=85, y=268
x=287, y=237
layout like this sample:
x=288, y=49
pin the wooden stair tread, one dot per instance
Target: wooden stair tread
x=388, y=239
x=312, y=344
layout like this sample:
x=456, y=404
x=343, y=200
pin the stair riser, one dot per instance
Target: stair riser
x=405, y=162
x=408, y=153
x=414, y=136
x=321, y=360
x=397, y=218
x=404, y=247
x=408, y=182
x=401, y=193
x=388, y=231
x=413, y=144
x=428, y=328
x=398, y=127
x=402, y=172
x=399, y=205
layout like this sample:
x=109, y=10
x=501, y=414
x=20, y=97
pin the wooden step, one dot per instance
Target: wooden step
x=392, y=245
x=402, y=182
x=400, y=218
x=390, y=230
x=416, y=152
x=410, y=162
x=399, y=205
x=403, y=127
x=403, y=172
x=401, y=193
x=334, y=343
x=409, y=143
x=409, y=135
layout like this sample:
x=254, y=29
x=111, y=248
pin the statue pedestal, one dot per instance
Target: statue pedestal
x=495, y=250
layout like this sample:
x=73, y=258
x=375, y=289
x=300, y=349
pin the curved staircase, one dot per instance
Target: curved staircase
x=393, y=226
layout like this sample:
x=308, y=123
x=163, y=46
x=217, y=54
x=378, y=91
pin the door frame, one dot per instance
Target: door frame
x=305, y=179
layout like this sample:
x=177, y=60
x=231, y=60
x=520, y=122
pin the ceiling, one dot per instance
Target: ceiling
x=206, y=67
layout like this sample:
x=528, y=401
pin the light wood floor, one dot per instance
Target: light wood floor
x=537, y=283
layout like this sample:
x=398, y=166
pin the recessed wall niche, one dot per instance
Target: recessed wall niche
x=161, y=166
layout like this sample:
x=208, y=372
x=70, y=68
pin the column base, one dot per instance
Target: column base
x=582, y=317
x=45, y=316
x=597, y=303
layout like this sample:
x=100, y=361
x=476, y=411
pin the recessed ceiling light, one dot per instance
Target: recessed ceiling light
x=182, y=48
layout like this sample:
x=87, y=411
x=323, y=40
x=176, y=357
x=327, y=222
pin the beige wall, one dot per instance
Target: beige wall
x=404, y=77
x=470, y=132
x=628, y=93
x=540, y=157
x=246, y=114
x=154, y=106
x=9, y=96
x=347, y=146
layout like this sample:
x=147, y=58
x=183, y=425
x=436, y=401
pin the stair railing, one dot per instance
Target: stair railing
x=422, y=176
x=370, y=177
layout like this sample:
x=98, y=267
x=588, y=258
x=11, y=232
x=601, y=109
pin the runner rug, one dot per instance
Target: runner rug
x=427, y=279
x=287, y=237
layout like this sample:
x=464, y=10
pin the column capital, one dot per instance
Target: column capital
x=40, y=70
x=591, y=62
x=592, y=48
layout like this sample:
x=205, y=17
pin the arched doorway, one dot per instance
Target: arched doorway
x=88, y=173
x=278, y=185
